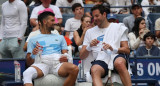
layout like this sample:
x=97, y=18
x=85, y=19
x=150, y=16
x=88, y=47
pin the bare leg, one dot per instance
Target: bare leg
x=96, y=73
x=40, y=74
x=120, y=65
x=70, y=71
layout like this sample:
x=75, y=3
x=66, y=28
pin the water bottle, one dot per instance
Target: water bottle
x=38, y=56
x=83, y=76
x=79, y=73
x=17, y=71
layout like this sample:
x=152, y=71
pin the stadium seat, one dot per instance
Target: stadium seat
x=65, y=17
x=87, y=7
x=120, y=17
x=152, y=17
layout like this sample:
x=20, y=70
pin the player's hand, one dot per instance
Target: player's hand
x=19, y=41
x=37, y=49
x=94, y=43
x=141, y=31
x=107, y=46
x=63, y=59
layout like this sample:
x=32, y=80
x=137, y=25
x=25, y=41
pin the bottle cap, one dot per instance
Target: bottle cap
x=79, y=61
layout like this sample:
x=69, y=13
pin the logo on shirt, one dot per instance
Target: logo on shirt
x=100, y=38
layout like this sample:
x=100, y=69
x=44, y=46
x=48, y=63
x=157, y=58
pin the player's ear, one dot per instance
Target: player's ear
x=44, y=22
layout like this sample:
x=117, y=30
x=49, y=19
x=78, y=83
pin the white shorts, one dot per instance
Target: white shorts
x=49, y=64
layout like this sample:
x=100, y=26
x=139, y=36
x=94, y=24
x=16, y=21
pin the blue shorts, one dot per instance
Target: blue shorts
x=105, y=66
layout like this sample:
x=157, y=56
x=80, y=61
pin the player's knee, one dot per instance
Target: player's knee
x=75, y=68
x=94, y=70
x=119, y=65
x=29, y=74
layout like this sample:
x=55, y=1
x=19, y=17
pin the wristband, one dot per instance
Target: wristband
x=88, y=48
x=33, y=56
x=115, y=51
x=70, y=59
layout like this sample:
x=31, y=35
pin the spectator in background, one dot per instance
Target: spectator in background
x=148, y=10
x=80, y=33
x=34, y=4
x=67, y=3
x=100, y=1
x=13, y=27
x=53, y=2
x=157, y=28
x=118, y=3
x=137, y=33
x=74, y=23
x=149, y=49
x=45, y=4
x=112, y=18
x=123, y=11
x=136, y=9
x=158, y=2
x=89, y=2
x=27, y=2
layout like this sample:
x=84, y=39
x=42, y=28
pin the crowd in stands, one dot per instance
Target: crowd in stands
x=82, y=34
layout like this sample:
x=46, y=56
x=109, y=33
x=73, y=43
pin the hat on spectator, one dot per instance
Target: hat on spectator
x=136, y=5
x=111, y=16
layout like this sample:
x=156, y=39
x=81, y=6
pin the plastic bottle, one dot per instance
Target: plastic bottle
x=17, y=71
x=79, y=73
x=38, y=57
x=82, y=71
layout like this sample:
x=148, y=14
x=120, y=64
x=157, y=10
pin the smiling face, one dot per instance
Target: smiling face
x=98, y=17
x=50, y=22
x=47, y=25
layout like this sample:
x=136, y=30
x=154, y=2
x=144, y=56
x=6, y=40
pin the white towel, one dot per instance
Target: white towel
x=112, y=36
x=51, y=58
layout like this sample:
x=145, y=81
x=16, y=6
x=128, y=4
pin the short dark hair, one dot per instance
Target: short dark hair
x=149, y=34
x=136, y=5
x=101, y=8
x=74, y=6
x=44, y=15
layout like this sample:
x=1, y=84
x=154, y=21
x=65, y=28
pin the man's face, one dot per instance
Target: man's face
x=137, y=11
x=149, y=41
x=50, y=22
x=79, y=11
x=98, y=17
